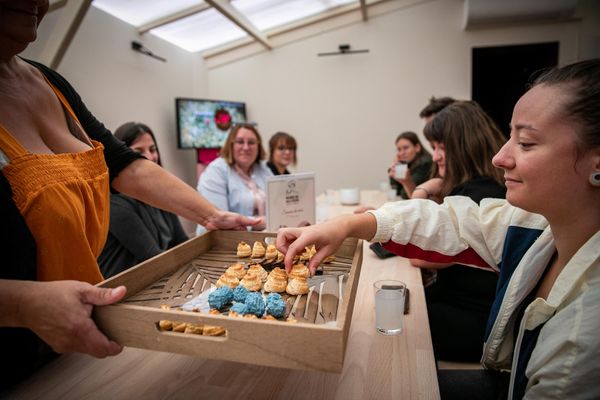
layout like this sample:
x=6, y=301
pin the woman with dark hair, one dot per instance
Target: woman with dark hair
x=410, y=151
x=137, y=230
x=282, y=153
x=464, y=139
x=237, y=180
x=542, y=241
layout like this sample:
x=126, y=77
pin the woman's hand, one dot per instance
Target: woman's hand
x=60, y=314
x=228, y=220
x=327, y=237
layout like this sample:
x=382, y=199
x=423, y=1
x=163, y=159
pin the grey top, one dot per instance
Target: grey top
x=137, y=232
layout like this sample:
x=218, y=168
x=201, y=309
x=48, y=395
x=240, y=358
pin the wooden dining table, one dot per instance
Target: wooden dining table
x=375, y=366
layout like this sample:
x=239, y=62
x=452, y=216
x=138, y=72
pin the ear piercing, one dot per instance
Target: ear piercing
x=595, y=179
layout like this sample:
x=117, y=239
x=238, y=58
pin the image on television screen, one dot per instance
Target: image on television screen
x=206, y=123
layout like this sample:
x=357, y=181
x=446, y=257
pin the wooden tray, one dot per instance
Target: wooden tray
x=182, y=273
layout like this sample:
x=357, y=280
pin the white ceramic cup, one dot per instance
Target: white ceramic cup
x=350, y=196
x=389, y=306
x=400, y=171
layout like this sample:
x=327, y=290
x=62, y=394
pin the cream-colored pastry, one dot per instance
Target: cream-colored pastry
x=258, y=270
x=251, y=282
x=309, y=251
x=299, y=271
x=214, y=311
x=258, y=250
x=238, y=269
x=193, y=328
x=280, y=256
x=165, y=325
x=250, y=316
x=276, y=281
x=270, y=317
x=210, y=330
x=228, y=279
x=271, y=252
x=297, y=286
x=243, y=250
x=329, y=259
x=179, y=326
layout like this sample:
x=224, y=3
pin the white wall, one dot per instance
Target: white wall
x=346, y=111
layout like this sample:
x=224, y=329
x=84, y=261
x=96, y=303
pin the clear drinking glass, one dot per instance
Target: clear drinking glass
x=389, y=306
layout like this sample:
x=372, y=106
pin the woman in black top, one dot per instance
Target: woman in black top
x=464, y=139
x=282, y=153
x=137, y=230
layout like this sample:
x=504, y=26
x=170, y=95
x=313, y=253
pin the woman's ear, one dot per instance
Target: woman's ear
x=418, y=147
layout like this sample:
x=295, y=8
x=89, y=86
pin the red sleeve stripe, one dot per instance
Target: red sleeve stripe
x=468, y=256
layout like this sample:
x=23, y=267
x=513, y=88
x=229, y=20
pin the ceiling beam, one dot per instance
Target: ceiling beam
x=69, y=21
x=167, y=19
x=363, y=10
x=240, y=20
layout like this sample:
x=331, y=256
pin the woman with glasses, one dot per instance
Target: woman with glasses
x=282, y=153
x=237, y=180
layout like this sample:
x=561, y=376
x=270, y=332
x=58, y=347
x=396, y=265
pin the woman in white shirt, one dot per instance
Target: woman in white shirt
x=237, y=180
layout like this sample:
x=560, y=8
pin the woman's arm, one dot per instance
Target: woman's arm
x=148, y=182
x=415, y=262
x=428, y=190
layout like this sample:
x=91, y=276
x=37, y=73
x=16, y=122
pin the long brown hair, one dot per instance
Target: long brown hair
x=227, y=149
x=470, y=138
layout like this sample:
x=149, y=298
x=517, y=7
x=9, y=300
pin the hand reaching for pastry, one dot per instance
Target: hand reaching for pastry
x=327, y=237
x=60, y=314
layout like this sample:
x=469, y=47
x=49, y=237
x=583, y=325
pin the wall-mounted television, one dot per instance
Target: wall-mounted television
x=205, y=124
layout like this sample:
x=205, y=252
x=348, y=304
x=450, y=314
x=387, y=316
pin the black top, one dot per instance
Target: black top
x=20, y=347
x=274, y=169
x=468, y=287
x=138, y=232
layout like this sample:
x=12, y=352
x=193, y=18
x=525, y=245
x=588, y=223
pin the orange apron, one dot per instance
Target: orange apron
x=64, y=199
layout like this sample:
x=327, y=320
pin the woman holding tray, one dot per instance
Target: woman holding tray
x=57, y=165
x=544, y=243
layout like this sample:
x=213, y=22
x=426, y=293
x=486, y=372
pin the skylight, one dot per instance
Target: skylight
x=209, y=28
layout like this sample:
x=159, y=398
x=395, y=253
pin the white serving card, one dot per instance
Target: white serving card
x=290, y=200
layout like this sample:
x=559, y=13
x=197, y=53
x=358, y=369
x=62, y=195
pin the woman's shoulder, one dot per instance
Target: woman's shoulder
x=479, y=188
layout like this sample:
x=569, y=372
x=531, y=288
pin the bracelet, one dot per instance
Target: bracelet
x=423, y=189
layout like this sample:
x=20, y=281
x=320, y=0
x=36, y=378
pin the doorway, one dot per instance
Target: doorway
x=501, y=74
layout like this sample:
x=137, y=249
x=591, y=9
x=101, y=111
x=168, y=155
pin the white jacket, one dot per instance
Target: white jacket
x=565, y=362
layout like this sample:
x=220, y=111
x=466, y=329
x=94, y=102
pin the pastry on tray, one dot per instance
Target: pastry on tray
x=243, y=250
x=271, y=253
x=240, y=293
x=238, y=269
x=329, y=259
x=276, y=281
x=238, y=309
x=193, y=328
x=309, y=251
x=220, y=298
x=258, y=250
x=255, y=304
x=258, y=270
x=299, y=271
x=296, y=286
x=280, y=256
x=210, y=330
x=275, y=305
x=251, y=282
x=228, y=279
